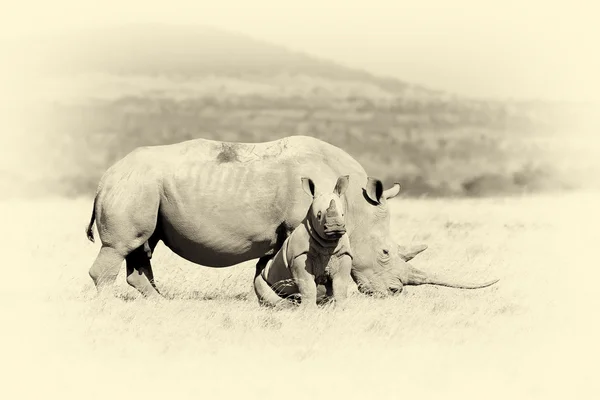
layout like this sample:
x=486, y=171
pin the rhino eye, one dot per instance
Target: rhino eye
x=386, y=252
x=319, y=215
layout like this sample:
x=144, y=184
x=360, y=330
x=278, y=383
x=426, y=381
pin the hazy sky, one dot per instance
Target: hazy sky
x=514, y=49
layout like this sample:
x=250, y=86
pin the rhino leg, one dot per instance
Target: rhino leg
x=125, y=223
x=139, y=269
x=267, y=296
x=305, y=281
x=106, y=267
x=340, y=281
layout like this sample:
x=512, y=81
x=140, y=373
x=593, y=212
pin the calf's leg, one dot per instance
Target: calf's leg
x=341, y=281
x=305, y=282
x=267, y=296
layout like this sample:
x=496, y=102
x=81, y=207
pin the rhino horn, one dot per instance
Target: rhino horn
x=331, y=210
x=418, y=277
x=408, y=253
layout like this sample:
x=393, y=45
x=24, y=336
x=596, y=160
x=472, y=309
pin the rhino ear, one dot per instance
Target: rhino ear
x=392, y=192
x=341, y=185
x=374, y=189
x=309, y=186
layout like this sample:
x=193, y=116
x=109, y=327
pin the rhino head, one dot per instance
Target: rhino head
x=380, y=265
x=326, y=214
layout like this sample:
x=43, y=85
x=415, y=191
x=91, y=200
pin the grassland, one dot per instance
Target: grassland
x=531, y=336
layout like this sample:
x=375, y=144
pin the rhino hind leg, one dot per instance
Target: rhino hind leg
x=106, y=267
x=126, y=216
x=267, y=296
x=139, y=269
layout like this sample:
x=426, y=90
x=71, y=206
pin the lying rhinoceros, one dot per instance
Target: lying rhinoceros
x=218, y=204
x=317, y=251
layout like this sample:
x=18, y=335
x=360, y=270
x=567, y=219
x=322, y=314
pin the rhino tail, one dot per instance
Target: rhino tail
x=418, y=277
x=90, y=228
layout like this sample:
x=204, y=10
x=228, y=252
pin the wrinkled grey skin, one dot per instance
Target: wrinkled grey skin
x=318, y=250
x=218, y=204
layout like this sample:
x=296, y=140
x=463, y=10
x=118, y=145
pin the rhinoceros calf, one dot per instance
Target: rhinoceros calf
x=218, y=204
x=317, y=251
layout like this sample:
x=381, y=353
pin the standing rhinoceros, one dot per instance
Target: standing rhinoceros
x=218, y=204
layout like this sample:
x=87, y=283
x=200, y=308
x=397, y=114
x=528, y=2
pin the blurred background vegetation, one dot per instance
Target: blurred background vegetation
x=105, y=92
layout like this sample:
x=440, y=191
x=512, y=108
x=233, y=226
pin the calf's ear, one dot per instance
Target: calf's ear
x=341, y=185
x=309, y=186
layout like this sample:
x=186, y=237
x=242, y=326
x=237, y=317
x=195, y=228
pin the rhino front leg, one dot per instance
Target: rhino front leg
x=340, y=281
x=305, y=282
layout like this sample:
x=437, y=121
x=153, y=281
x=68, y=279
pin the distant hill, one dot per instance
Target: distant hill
x=153, y=49
x=107, y=91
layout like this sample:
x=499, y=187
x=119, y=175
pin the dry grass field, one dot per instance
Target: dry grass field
x=530, y=336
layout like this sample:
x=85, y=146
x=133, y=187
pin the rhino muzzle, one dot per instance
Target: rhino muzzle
x=336, y=232
x=334, y=224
